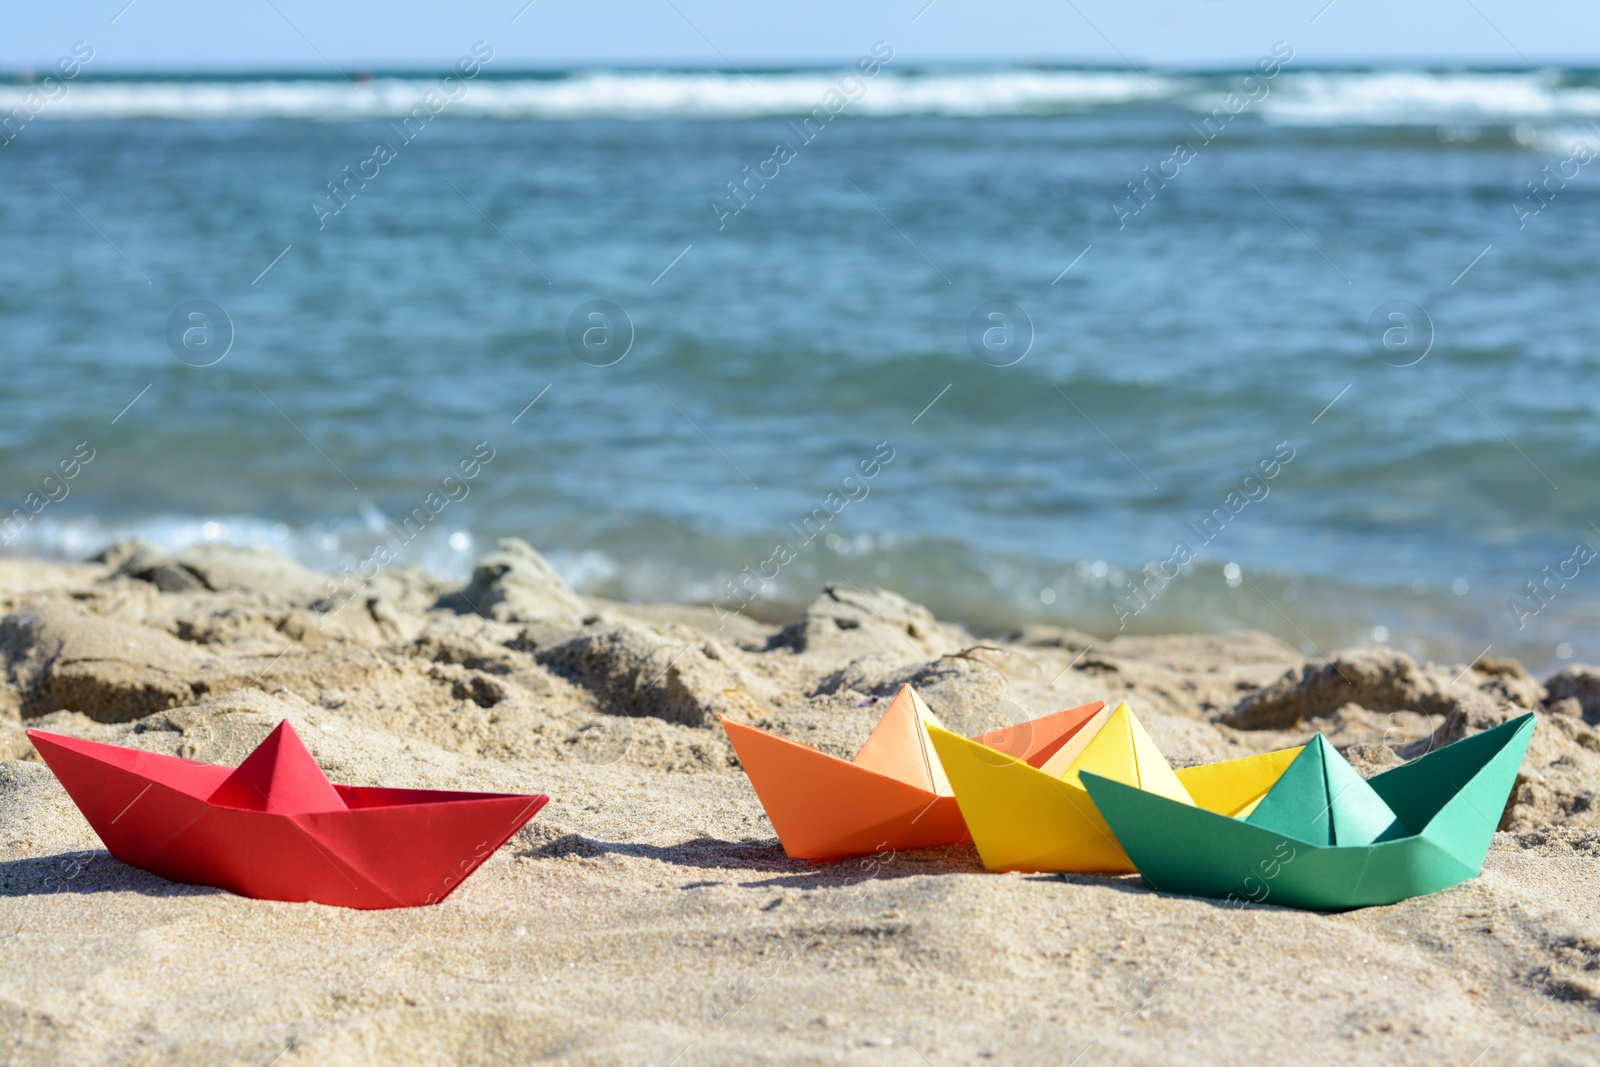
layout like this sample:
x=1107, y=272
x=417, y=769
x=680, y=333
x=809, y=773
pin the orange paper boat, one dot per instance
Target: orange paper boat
x=275, y=828
x=893, y=795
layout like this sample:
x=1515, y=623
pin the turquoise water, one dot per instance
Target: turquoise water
x=1166, y=346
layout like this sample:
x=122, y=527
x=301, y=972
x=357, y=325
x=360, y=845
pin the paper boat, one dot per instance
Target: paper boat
x=893, y=795
x=1323, y=837
x=275, y=828
x=1027, y=817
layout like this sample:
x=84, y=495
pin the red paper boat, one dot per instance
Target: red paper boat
x=275, y=828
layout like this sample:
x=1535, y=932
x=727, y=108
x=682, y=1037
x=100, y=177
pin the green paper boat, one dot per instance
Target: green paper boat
x=1323, y=837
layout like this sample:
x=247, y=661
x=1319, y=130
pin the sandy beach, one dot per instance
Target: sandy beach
x=647, y=915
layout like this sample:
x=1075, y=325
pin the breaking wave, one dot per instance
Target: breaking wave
x=1310, y=98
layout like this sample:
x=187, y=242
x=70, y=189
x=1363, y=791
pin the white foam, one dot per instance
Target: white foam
x=1394, y=97
x=607, y=94
x=1391, y=97
x=325, y=546
x=1405, y=98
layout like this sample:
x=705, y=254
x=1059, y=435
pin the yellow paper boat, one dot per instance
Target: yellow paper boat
x=1024, y=818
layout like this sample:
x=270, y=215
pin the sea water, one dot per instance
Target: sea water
x=1069, y=318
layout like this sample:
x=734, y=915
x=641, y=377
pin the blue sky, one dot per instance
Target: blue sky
x=313, y=36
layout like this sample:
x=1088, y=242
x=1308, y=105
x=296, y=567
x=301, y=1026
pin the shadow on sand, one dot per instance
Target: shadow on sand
x=91, y=871
x=767, y=857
